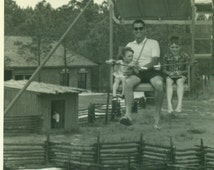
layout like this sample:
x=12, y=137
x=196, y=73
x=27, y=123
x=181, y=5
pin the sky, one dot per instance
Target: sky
x=54, y=3
x=58, y=3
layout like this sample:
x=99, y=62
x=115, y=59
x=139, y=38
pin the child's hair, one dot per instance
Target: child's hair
x=123, y=52
x=174, y=40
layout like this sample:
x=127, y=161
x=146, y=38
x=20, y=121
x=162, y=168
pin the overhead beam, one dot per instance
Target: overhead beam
x=162, y=22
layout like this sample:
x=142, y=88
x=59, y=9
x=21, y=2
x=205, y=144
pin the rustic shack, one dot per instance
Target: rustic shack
x=56, y=105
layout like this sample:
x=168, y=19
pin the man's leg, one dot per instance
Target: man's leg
x=130, y=83
x=180, y=93
x=158, y=85
x=169, y=93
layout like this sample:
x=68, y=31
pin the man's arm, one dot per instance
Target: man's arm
x=155, y=61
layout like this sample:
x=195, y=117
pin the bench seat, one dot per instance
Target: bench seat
x=148, y=87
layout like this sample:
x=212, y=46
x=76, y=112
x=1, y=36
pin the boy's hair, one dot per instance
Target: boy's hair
x=123, y=52
x=175, y=40
x=137, y=22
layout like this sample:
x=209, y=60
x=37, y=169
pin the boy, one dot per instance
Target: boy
x=176, y=70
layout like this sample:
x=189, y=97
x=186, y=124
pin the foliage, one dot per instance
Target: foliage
x=90, y=35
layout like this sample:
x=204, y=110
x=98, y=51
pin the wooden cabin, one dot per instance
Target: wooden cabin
x=56, y=105
x=63, y=68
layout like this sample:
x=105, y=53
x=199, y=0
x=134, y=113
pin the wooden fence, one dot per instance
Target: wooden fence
x=117, y=155
x=16, y=125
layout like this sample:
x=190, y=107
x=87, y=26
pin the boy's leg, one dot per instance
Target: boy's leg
x=180, y=92
x=115, y=86
x=130, y=83
x=169, y=93
x=157, y=83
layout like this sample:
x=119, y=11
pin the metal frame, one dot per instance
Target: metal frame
x=191, y=22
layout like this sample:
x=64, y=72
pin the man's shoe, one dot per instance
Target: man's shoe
x=125, y=121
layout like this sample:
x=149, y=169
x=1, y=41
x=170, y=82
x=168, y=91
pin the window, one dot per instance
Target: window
x=82, y=79
x=64, y=77
x=19, y=77
x=22, y=77
x=27, y=77
x=57, y=114
x=7, y=75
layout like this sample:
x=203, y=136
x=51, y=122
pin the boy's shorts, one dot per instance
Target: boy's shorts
x=147, y=75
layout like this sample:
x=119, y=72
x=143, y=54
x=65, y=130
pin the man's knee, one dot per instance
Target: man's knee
x=128, y=84
x=131, y=82
x=158, y=84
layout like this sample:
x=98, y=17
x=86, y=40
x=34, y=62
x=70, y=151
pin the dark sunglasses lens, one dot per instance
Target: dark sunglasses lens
x=138, y=28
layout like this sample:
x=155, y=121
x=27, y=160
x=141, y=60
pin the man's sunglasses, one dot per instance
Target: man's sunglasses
x=138, y=28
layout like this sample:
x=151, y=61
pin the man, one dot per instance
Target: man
x=146, y=56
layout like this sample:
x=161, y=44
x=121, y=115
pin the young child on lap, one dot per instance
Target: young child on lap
x=121, y=69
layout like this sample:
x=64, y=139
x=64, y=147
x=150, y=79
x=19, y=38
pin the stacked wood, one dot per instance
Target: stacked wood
x=16, y=125
x=111, y=155
x=23, y=154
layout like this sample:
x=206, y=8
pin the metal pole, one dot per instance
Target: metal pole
x=212, y=48
x=44, y=61
x=110, y=39
x=110, y=56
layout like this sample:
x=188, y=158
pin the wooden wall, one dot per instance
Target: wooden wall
x=26, y=105
x=52, y=75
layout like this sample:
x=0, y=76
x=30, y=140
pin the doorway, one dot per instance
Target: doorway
x=57, y=114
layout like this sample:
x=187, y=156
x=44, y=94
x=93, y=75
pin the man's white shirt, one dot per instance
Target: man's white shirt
x=151, y=49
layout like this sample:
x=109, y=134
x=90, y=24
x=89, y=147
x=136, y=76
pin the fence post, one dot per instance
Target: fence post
x=97, y=150
x=140, y=150
x=107, y=107
x=202, y=156
x=172, y=152
x=47, y=149
x=91, y=113
x=69, y=159
x=129, y=163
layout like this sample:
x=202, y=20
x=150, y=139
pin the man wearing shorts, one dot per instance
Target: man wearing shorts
x=146, y=56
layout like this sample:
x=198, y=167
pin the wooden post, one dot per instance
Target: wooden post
x=172, y=152
x=140, y=150
x=109, y=88
x=69, y=159
x=97, y=150
x=110, y=40
x=202, y=156
x=129, y=163
x=47, y=149
x=91, y=113
x=107, y=107
x=212, y=37
x=192, y=74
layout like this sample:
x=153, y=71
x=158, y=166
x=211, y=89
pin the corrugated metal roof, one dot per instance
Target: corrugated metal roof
x=41, y=87
x=16, y=57
x=153, y=9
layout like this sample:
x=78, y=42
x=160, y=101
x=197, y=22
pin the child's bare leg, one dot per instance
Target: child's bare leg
x=115, y=86
x=180, y=92
x=169, y=93
x=123, y=85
